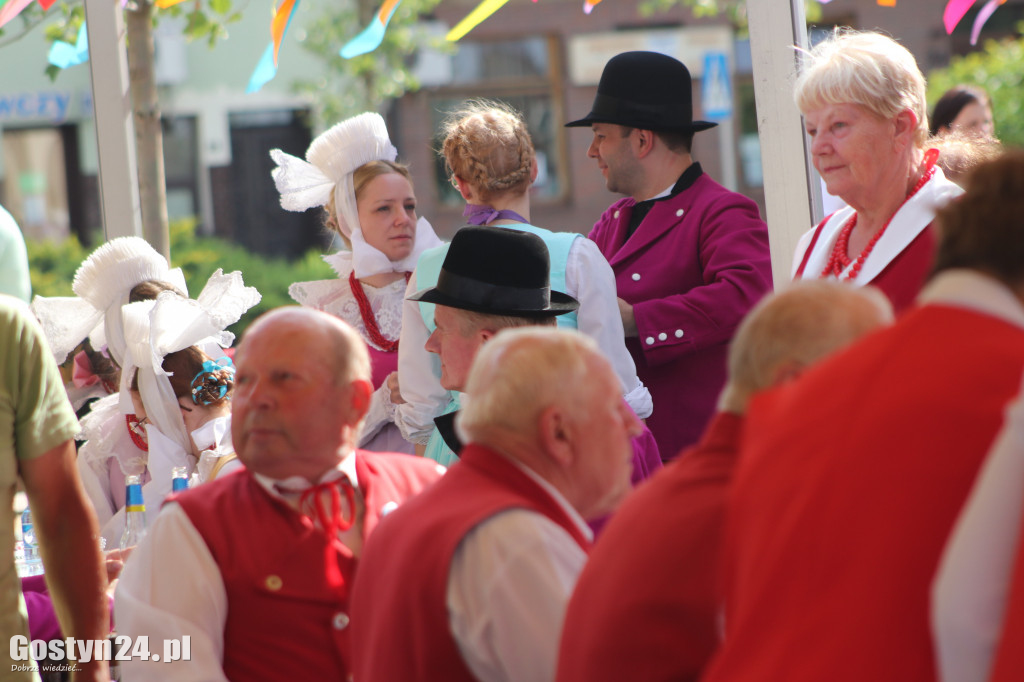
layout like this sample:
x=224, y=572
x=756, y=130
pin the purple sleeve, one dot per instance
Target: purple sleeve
x=646, y=457
x=42, y=619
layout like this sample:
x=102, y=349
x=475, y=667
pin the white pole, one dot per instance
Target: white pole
x=112, y=109
x=791, y=187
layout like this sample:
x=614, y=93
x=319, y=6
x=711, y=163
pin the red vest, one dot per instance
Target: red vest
x=848, y=484
x=284, y=621
x=400, y=598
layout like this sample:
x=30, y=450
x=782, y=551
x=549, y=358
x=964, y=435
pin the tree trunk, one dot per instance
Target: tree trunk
x=149, y=139
x=367, y=12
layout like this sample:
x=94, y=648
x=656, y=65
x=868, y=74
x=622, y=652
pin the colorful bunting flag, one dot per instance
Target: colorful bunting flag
x=12, y=9
x=482, y=11
x=955, y=11
x=369, y=38
x=64, y=54
x=983, y=15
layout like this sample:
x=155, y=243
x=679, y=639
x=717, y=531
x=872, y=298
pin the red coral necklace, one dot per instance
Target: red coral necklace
x=369, y=319
x=839, y=260
x=134, y=428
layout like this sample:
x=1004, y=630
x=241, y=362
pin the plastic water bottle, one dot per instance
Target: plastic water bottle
x=30, y=548
x=179, y=479
x=134, y=513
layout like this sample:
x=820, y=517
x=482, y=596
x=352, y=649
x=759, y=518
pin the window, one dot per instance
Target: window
x=519, y=73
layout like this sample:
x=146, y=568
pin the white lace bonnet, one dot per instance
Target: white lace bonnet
x=331, y=160
x=102, y=283
x=172, y=323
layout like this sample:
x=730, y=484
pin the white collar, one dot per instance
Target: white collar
x=667, y=191
x=574, y=516
x=904, y=227
x=346, y=468
x=975, y=291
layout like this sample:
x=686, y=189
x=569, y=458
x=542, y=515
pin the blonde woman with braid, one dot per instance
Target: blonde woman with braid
x=492, y=162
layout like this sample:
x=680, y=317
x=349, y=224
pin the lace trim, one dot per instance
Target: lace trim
x=335, y=297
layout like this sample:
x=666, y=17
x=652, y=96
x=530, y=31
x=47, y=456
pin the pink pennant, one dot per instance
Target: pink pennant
x=983, y=15
x=46, y=4
x=955, y=11
x=12, y=9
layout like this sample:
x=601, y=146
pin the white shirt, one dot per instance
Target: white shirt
x=171, y=586
x=509, y=584
x=588, y=278
x=974, y=578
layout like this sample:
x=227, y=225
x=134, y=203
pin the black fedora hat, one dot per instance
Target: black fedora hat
x=647, y=90
x=497, y=271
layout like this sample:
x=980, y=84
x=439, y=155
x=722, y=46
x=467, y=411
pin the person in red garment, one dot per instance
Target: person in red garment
x=665, y=625
x=471, y=579
x=849, y=480
x=862, y=96
x=256, y=566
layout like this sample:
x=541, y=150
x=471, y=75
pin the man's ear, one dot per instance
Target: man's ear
x=554, y=436
x=360, y=393
x=643, y=142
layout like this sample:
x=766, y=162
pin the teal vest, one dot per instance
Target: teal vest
x=428, y=269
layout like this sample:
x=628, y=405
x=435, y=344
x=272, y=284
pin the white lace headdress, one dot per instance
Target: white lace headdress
x=172, y=323
x=102, y=283
x=331, y=160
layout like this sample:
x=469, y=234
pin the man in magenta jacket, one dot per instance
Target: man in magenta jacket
x=690, y=257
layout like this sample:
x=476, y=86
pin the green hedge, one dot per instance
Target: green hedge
x=53, y=266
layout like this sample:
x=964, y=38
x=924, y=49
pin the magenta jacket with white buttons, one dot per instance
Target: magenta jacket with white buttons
x=691, y=271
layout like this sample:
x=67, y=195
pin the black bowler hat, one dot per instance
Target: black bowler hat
x=646, y=90
x=497, y=271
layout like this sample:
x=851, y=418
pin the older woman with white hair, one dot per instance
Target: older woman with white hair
x=863, y=100
x=369, y=202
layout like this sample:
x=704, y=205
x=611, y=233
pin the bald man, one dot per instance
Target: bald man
x=469, y=581
x=665, y=626
x=256, y=566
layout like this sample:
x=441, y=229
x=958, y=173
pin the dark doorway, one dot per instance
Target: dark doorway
x=247, y=208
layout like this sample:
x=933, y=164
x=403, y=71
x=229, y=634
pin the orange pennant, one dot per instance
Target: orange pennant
x=280, y=24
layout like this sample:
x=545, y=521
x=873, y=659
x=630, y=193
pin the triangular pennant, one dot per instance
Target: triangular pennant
x=955, y=11
x=264, y=72
x=64, y=54
x=369, y=38
x=12, y=9
x=473, y=19
x=983, y=15
x=279, y=25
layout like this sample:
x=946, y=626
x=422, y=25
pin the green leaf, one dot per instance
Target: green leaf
x=220, y=6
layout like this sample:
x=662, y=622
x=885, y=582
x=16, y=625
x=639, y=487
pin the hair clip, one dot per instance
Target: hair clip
x=205, y=381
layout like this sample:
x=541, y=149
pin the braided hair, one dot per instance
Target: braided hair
x=487, y=144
